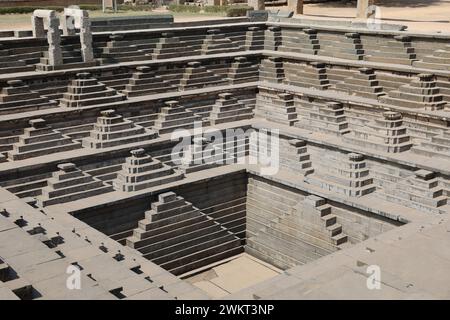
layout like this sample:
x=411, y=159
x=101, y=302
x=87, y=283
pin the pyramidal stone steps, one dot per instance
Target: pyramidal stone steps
x=112, y=130
x=17, y=97
x=145, y=81
x=141, y=171
x=242, y=71
x=364, y=84
x=197, y=76
x=87, y=91
x=180, y=238
x=329, y=119
x=421, y=93
x=39, y=140
x=228, y=109
x=420, y=191
x=388, y=134
x=349, y=176
x=276, y=107
x=313, y=75
x=170, y=46
x=70, y=184
x=216, y=42
x=174, y=116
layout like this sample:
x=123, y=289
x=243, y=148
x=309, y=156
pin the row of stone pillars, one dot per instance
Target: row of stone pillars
x=72, y=19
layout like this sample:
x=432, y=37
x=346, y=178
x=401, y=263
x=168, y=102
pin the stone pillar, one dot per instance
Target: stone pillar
x=86, y=37
x=296, y=6
x=68, y=23
x=256, y=4
x=37, y=24
x=54, y=43
x=361, y=9
x=53, y=34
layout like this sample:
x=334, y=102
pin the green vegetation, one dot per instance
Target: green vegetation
x=238, y=11
x=229, y=11
x=92, y=7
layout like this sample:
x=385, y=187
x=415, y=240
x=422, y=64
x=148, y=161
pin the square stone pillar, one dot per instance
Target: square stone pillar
x=256, y=4
x=54, y=42
x=87, y=51
x=37, y=24
x=296, y=6
x=361, y=9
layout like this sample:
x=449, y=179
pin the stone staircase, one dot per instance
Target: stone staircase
x=170, y=46
x=141, y=171
x=242, y=71
x=345, y=46
x=420, y=191
x=276, y=107
x=18, y=59
x=216, y=42
x=437, y=146
x=272, y=38
x=87, y=91
x=174, y=116
x=440, y=59
x=112, y=130
x=254, y=39
x=71, y=58
x=346, y=175
x=271, y=70
x=70, y=184
x=180, y=238
x=386, y=135
x=146, y=81
x=329, y=118
x=292, y=231
x=200, y=155
x=304, y=41
x=294, y=156
x=197, y=76
x=118, y=49
x=364, y=84
x=398, y=51
x=421, y=93
x=17, y=97
x=39, y=140
x=227, y=109
x=312, y=75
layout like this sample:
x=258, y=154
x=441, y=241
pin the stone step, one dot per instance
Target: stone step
x=190, y=249
x=86, y=185
x=269, y=255
x=169, y=223
x=164, y=228
x=274, y=246
x=208, y=258
x=176, y=236
x=431, y=150
x=75, y=196
x=165, y=176
x=42, y=152
x=408, y=203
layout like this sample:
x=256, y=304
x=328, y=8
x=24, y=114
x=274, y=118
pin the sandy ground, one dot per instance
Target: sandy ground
x=418, y=15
